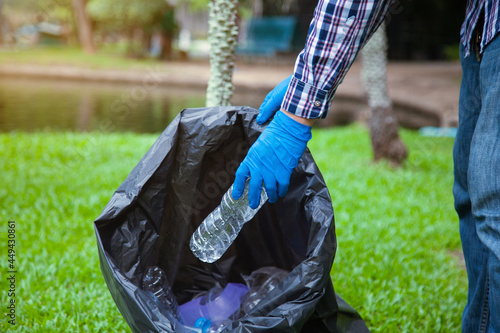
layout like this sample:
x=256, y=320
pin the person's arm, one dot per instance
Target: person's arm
x=303, y=121
x=338, y=31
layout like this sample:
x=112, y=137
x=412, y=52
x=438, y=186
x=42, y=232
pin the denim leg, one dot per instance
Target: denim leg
x=476, y=254
x=484, y=174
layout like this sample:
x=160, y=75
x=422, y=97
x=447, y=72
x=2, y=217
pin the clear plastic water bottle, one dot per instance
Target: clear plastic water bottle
x=260, y=283
x=220, y=228
x=155, y=280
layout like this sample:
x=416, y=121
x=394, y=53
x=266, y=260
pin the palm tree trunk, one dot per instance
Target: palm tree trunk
x=2, y=22
x=222, y=35
x=384, y=125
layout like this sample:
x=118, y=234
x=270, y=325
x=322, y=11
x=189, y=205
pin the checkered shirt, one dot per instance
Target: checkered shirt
x=337, y=33
x=491, y=22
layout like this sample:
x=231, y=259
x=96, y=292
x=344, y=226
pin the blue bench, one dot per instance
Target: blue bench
x=267, y=36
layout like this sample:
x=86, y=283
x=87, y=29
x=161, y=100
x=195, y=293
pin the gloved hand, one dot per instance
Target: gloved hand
x=271, y=159
x=273, y=100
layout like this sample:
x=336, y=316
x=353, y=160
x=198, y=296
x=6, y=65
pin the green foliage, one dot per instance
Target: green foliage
x=396, y=229
x=126, y=14
x=42, y=10
x=197, y=5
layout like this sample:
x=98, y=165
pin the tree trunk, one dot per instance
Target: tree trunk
x=84, y=26
x=384, y=125
x=167, y=39
x=146, y=41
x=257, y=8
x=222, y=35
x=2, y=23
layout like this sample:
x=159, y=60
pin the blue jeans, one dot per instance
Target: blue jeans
x=476, y=156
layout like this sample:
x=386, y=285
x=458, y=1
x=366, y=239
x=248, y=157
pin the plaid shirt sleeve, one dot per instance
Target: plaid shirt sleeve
x=337, y=33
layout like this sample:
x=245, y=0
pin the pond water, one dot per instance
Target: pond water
x=52, y=105
x=55, y=105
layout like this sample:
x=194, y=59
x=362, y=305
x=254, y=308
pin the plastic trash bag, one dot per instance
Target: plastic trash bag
x=181, y=179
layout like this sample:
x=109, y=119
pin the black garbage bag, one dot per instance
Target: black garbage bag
x=181, y=179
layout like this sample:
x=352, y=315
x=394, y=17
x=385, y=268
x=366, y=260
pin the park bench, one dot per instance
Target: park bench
x=267, y=36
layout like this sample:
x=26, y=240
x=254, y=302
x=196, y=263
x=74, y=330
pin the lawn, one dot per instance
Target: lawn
x=397, y=232
x=106, y=58
x=397, y=261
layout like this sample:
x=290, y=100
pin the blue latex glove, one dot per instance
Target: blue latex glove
x=273, y=100
x=271, y=159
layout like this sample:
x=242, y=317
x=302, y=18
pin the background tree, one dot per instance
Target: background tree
x=168, y=28
x=2, y=23
x=130, y=18
x=84, y=26
x=25, y=12
x=222, y=35
x=384, y=125
x=305, y=13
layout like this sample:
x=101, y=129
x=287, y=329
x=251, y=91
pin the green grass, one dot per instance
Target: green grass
x=54, y=185
x=396, y=229
x=71, y=56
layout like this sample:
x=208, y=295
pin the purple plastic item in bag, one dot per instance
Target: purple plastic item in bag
x=218, y=305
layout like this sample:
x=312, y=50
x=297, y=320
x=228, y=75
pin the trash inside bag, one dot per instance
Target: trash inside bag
x=150, y=218
x=217, y=305
x=260, y=283
x=155, y=281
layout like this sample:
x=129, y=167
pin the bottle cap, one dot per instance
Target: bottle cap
x=203, y=323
